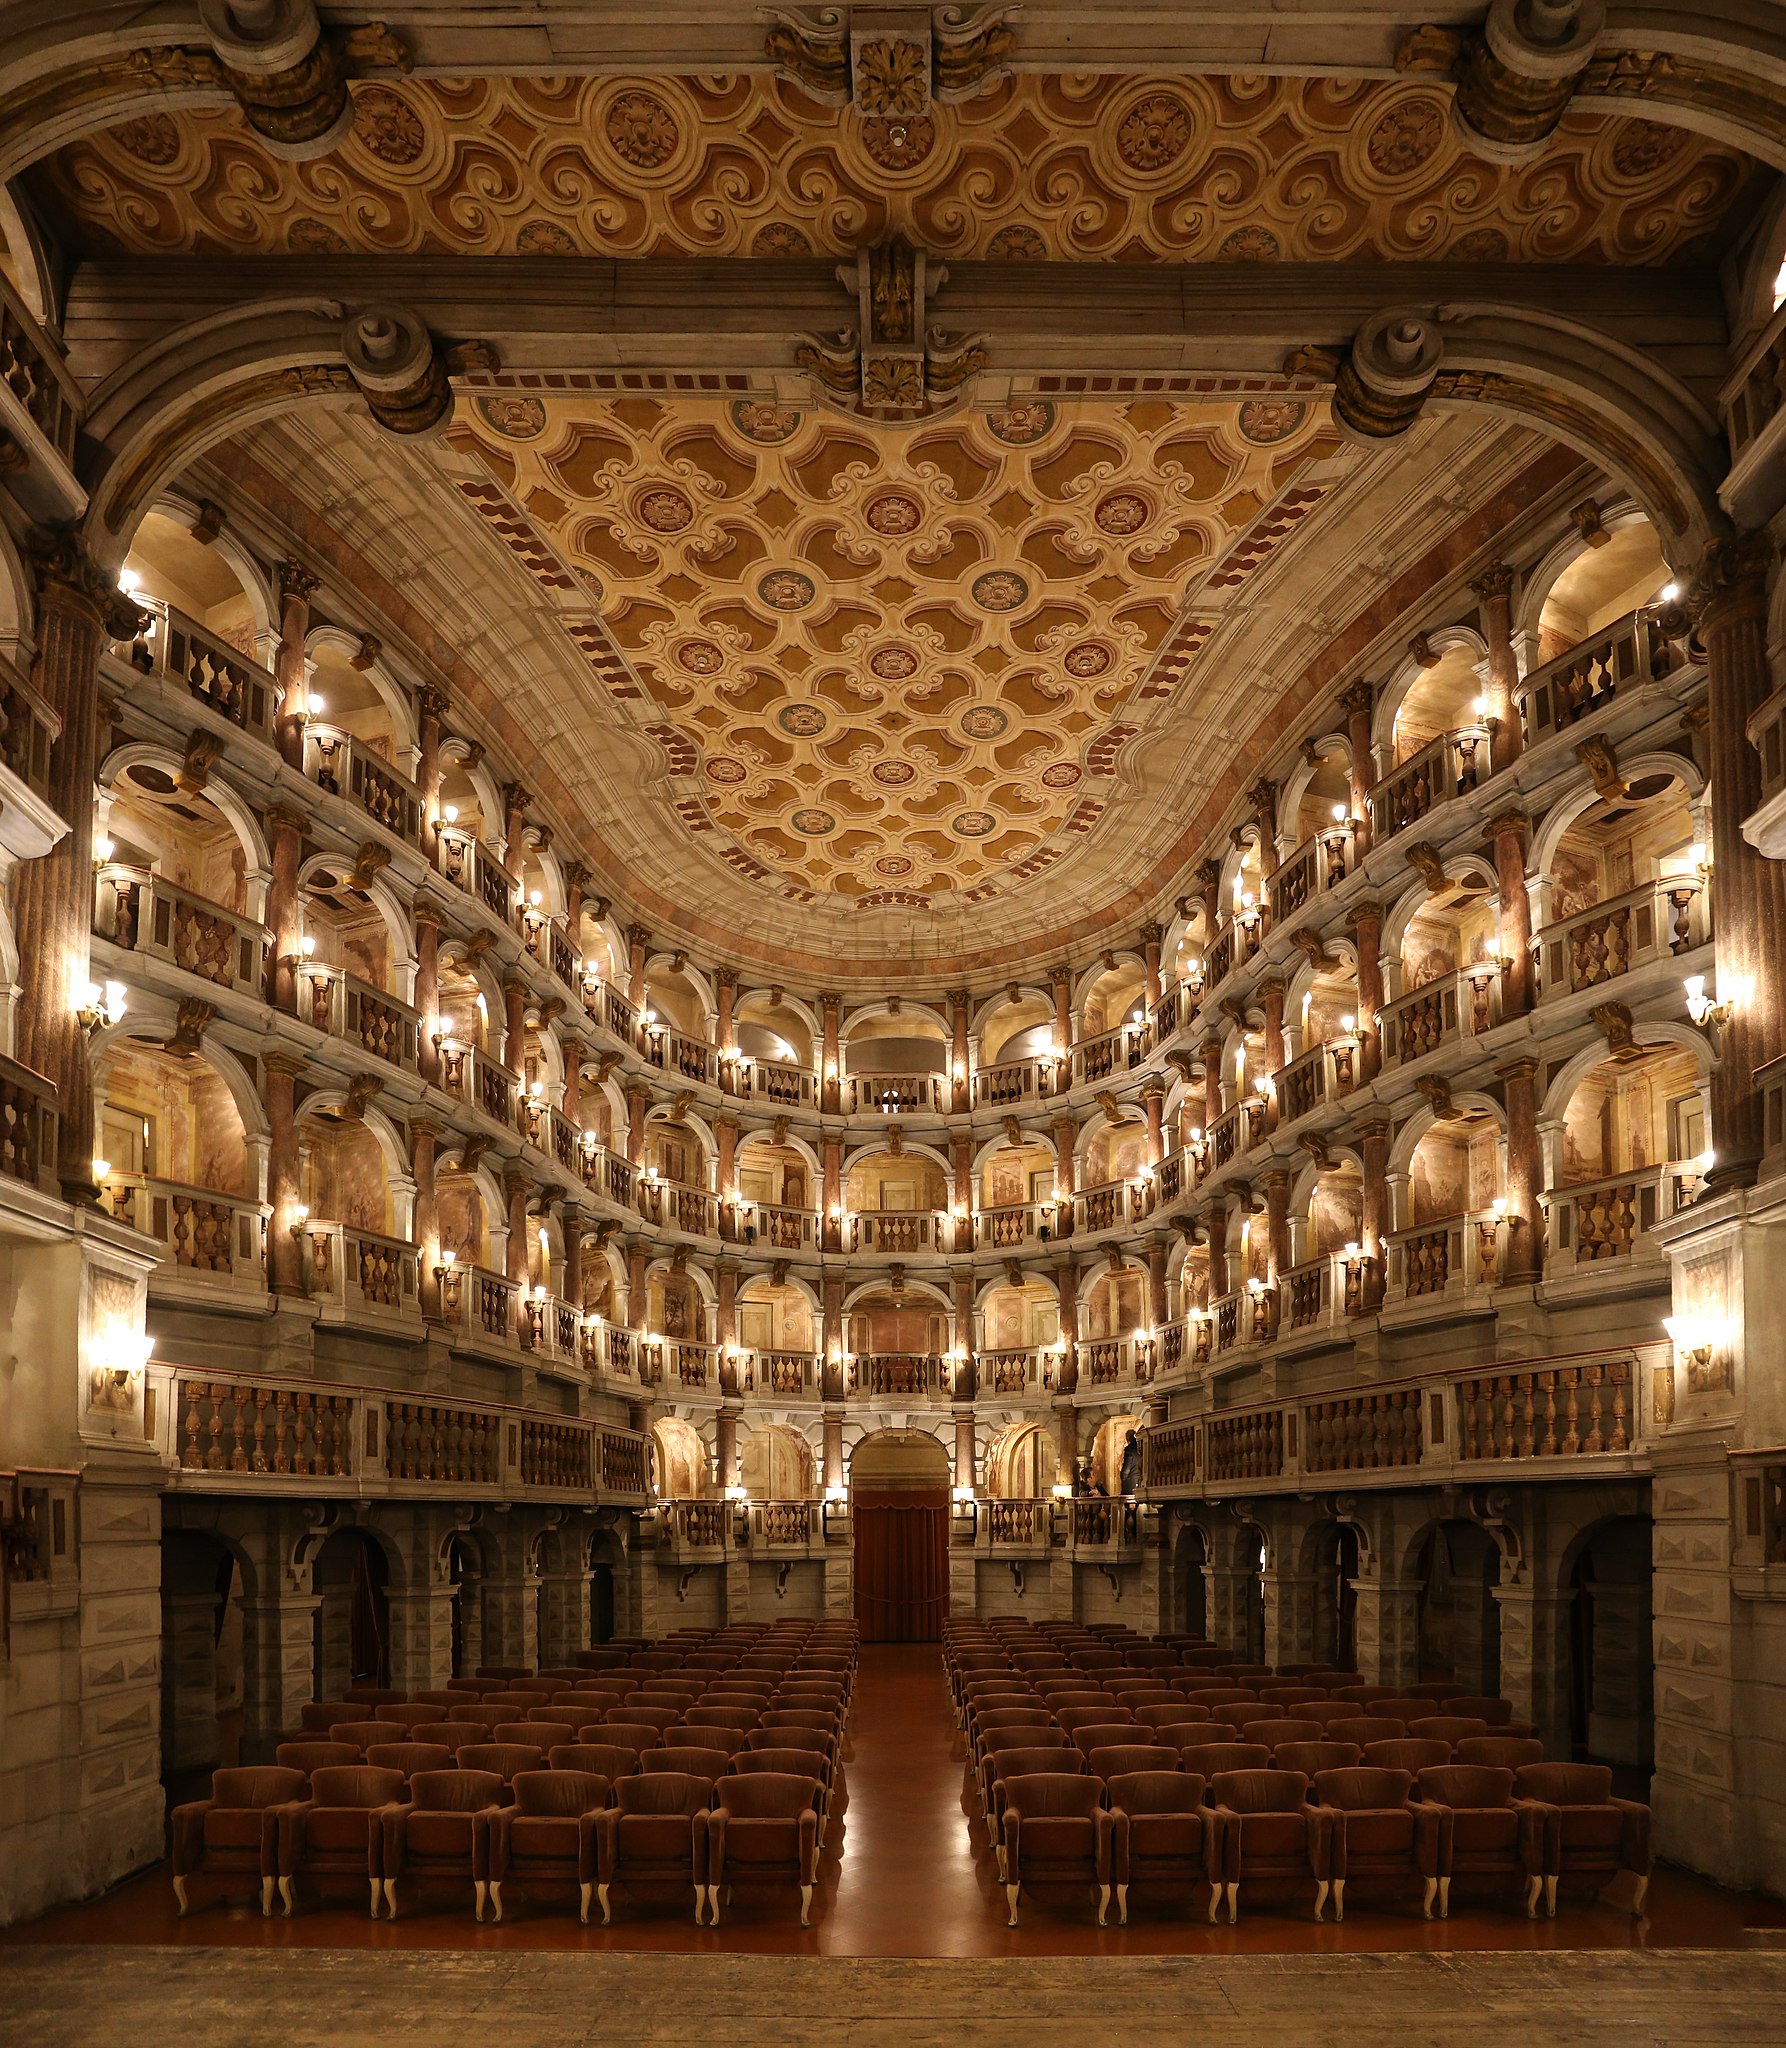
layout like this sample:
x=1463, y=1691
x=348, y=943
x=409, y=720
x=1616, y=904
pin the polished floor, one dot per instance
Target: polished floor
x=908, y=1873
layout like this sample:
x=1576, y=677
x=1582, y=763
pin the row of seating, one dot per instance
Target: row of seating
x=533, y=1781
x=1108, y=1780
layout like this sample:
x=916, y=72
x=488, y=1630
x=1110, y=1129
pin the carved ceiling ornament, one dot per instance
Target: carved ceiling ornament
x=892, y=364
x=916, y=702
x=1282, y=169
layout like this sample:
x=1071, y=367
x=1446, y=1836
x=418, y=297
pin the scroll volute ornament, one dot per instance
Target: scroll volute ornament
x=284, y=71
x=401, y=374
x=1381, y=382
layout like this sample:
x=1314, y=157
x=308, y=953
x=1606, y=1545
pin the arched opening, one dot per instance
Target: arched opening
x=899, y=1511
x=169, y=566
x=895, y=1060
x=1611, y=1656
x=1023, y=1030
x=675, y=1307
x=680, y=1465
x=674, y=1004
x=350, y=960
x=1632, y=1141
x=1601, y=586
x=1114, y=1155
x=175, y=877
x=464, y=1015
x=892, y=1200
x=1335, y=1211
x=776, y=1463
x=1624, y=886
x=1115, y=1304
x=1016, y=1194
x=1022, y=1463
x=777, y=1201
x=465, y=1576
x=1017, y=1321
x=1116, y=997
x=1190, y=1582
x=764, y=1029
x=352, y=1644
x=203, y=1661
x=463, y=1218
x=1323, y=808
x=894, y=1338
x=1457, y=1567
x=1113, y=1466
x=1441, y=699
x=343, y=1174
x=776, y=1324
x=1336, y=1596
x=607, y=1561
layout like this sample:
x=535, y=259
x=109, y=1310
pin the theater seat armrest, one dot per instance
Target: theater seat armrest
x=289, y=1822
x=1634, y=1834
x=809, y=1846
x=606, y=1830
x=188, y=1829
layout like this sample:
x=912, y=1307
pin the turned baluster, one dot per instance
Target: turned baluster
x=1595, y=1380
x=238, y=1457
x=1530, y=1385
x=303, y=1438
x=191, y=1457
x=1621, y=1435
x=257, y=1461
x=1571, y=1413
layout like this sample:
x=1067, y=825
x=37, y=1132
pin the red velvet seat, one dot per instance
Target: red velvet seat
x=1410, y=1754
x=338, y=1832
x=232, y=1836
x=1155, y=1830
x=654, y=1833
x=1368, y=1830
x=318, y=1717
x=407, y=1758
x=692, y=1760
x=1272, y=1731
x=1310, y=1757
x=1169, y=1713
x=1451, y=1728
x=1049, y=1832
x=406, y=1713
x=763, y=1825
x=1092, y=1735
x=316, y=1755
x=633, y=1735
x=506, y=1759
x=1499, y=1752
x=1118, y=1759
x=794, y=1763
x=1264, y=1829
x=548, y=1835
x=1587, y=1832
x=443, y=1834
x=1003, y=1765
x=1366, y=1729
x=1206, y=1758
x=363, y=1734
x=1484, y=1831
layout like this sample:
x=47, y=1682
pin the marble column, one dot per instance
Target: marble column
x=1060, y=984
x=960, y=1082
x=725, y=1330
x=1066, y=1133
x=431, y=706
x=514, y=1026
x=725, y=1134
x=961, y=1225
x=1277, y=1226
x=1215, y=1222
x=516, y=1187
x=291, y=666
x=1210, y=1052
x=1153, y=1100
x=515, y=800
x=428, y=927
x=570, y=1226
x=1066, y=1285
x=961, y=1290
x=638, y=942
x=285, y=1251
x=1373, y=1149
x=424, y=1151
x=1748, y=891
x=572, y=1049
x=1494, y=588
x=1152, y=937
x=1158, y=1305
x=1366, y=920
x=831, y=1052
x=1524, y=1264
x=832, y=1426
x=285, y=909
x=725, y=989
x=964, y=1447
x=831, y=1219
x=638, y=1103
x=1356, y=703
x=1509, y=833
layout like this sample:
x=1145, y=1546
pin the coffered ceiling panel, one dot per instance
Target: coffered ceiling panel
x=1204, y=168
x=893, y=662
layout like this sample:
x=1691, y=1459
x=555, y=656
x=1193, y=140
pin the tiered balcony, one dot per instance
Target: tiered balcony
x=781, y=1375
x=331, y=1000
x=684, y=1366
x=609, y=1354
x=478, y=1308
x=1754, y=406
x=549, y=1130
x=1765, y=828
x=213, y=1245
x=898, y=1376
x=1109, y=1531
x=1012, y=1225
x=1317, y=865
x=786, y=1528
x=777, y=1229
x=479, y=1082
x=1018, y=1375
x=1014, y=1529
x=777, y=1084
x=892, y=1230
x=603, y=1004
x=1587, y=677
x=180, y=653
x=1594, y=1222
x=1661, y=921
x=28, y=730
x=547, y=943
x=895, y=1094
x=40, y=414
x=1014, y=1081
x=1322, y=1074
x=240, y=1433
x=27, y=1126
x=144, y=913
x=469, y=865
x=676, y=1053
x=1532, y=1419
x=1440, y=1013
x=348, y=768
x=1447, y=766
x=358, y=1278
x=1456, y=1259
x=674, y=1205
x=605, y=1173
x=1110, y=1055
x=1111, y=1362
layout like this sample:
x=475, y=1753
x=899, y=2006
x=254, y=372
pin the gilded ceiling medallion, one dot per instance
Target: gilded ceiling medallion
x=893, y=864
x=666, y=510
x=973, y=824
x=894, y=513
x=388, y=126
x=1061, y=775
x=1266, y=421
x=779, y=238
x=515, y=419
x=893, y=775
x=1000, y=590
x=1017, y=243
x=984, y=722
x=804, y=721
x=1154, y=133
x=1088, y=658
x=641, y=130
x=151, y=139
x=767, y=425
x=1018, y=426
x=814, y=824
x=722, y=768
x=893, y=664
x=899, y=145
x=1406, y=138
x=786, y=590
x=1123, y=513
x=1249, y=245
x=1645, y=147
x=544, y=238
x=700, y=657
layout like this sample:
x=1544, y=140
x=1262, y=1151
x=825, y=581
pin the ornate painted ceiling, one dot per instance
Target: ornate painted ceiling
x=1192, y=168
x=893, y=662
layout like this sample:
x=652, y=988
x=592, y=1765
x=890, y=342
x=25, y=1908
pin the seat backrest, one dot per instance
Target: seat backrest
x=632, y=1735
x=1500, y=1752
x=1170, y=1713
x=406, y=1758
x=601, y=1759
x=1410, y=1754
x=704, y=1735
x=563, y=1793
x=1367, y=1728
x=1447, y=1727
x=766, y=1795
x=1122, y=1757
x=1092, y=1735
x=1404, y=1707
x=661, y=1792
x=357, y=1785
x=1054, y=1794
x=1149, y=1791
x=1259, y=1791
x=310, y=1757
x=256, y=1785
x=1312, y=1757
x=1360, y=1786
x=362, y=1734
x=1030, y=1762
x=459, y=1791
x=692, y=1762
x=504, y=1759
x=528, y=1732
x=1288, y=1729
x=793, y=1763
x=1496, y=1712
x=1209, y=1758
x=1565, y=1784
x=1466, y=1785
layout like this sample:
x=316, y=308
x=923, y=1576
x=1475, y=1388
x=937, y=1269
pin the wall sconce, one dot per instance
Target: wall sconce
x=449, y=1259
x=958, y=1072
x=1484, y=972
x=591, y=1144
x=103, y=849
x=1694, y=1340
x=1700, y=1007
x=1249, y=914
x=117, y=1383
x=533, y=916
x=300, y=1221
x=100, y=1008
x=1479, y=711
x=1193, y=979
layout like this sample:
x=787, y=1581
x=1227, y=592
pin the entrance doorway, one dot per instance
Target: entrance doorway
x=899, y=1505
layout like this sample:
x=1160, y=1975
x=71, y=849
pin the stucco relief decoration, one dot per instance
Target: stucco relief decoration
x=884, y=643
x=1137, y=168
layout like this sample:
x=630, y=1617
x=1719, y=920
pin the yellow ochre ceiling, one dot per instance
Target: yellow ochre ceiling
x=1205, y=168
x=881, y=659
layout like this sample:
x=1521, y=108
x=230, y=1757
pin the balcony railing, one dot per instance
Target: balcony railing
x=551, y=1328
x=27, y=1124
x=182, y=653
x=548, y=1128
x=38, y=389
x=1106, y=1528
x=1312, y=1299
x=1594, y=1221
x=910, y=1374
x=687, y=1364
x=697, y=1528
x=1630, y=651
x=1445, y=767
x=789, y=1525
x=478, y=1306
x=606, y=1350
x=234, y=1432
x=793, y=1375
x=1011, y=1225
x=605, y=1172
x=676, y=1053
x=1012, y=1373
x=1660, y=920
x=347, y=1007
x=777, y=1229
x=1110, y=1053
x=1767, y=734
x=146, y=914
x=471, y=866
x=1320, y=1075
x=895, y=1094
x=28, y=730
x=1015, y=1528
x=1172, y=1009
x=549, y=946
x=210, y=1238
x=890, y=1230
x=478, y=1081
x=357, y=1276
x=1115, y=1361
x=1439, y=1013
x=603, y=1004
x=776, y=1082
x=1453, y=1257
x=1013, y=1081
x=348, y=768
x=673, y=1205
x=1754, y=396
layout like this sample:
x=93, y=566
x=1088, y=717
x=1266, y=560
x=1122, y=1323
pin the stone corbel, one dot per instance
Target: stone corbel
x=892, y=364
x=1515, y=75
x=191, y=1022
x=890, y=63
x=286, y=74
x=1600, y=758
x=1427, y=862
x=400, y=372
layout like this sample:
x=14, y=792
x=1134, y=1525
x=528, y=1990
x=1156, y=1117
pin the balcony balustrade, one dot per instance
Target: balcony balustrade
x=1440, y=1013
x=1115, y=1361
x=552, y=1329
x=348, y=768
x=180, y=652
x=28, y=730
x=697, y=1530
x=603, y=1004
x=776, y=1083
x=1322, y=1074
x=144, y=913
x=910, y=1375
x=27, y=1125
x=1754, y=401
x=1314, y=1296
x=895, y=1094
x=1011, y=1225
x=891, y=1230
x=1013, y=1081
x=211, y=1242
x=791, y=1527
x=1445, y=767
x=1110, y=1054
x=479, y=1081
x=358, y=1277
x=477, y=1307
x=348, y=1008
x=605, y=1172
x=40, y=408
x=787, y=1375
x=233, y=1432
x=1014, y=1528
x=606, y=1350
x=549, y=1130
x=1106, y=1531
x=547, y=943
x=776, y=1228
x=1662, y=920
x=686, y=1364
x=1593, y=1221
x=1630, y=651
x=676, y=1053
x=1454, y=1257
x=1220, y=955
x=470, y=865
x=1013, y=1373
x=674, y=1205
